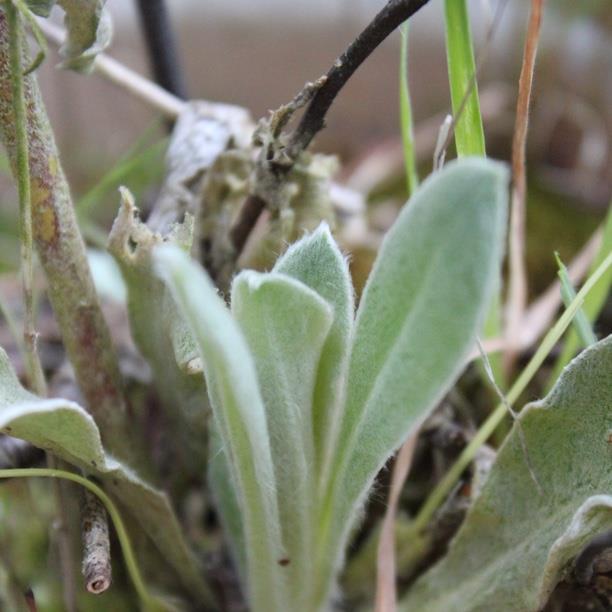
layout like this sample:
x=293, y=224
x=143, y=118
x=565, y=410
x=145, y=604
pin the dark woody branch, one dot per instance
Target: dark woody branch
x=275, y=165
x=393, y=14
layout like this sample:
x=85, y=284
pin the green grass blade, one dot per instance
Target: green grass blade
x=581, y=323
x=469, y=133
x=593, y=303
x=138, y=159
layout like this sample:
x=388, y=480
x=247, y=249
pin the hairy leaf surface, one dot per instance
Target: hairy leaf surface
x=286, y=325
x=422, y=307
x=317, y=261
x=240, y=417
x=515, y=544
x=162, y=336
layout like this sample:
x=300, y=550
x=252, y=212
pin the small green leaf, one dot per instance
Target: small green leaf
x=286, y=325
x=515, y=544
x=593, y=303
x=89, y=32
x=65, y=429
x=240, y=417
x=316, y=261
x=419, y=315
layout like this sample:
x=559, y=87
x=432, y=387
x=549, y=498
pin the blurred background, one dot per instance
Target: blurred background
x=258, y=54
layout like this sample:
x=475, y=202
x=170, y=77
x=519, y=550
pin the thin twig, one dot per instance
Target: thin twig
x=517, y=272
x=386, y=595
x=96, y=544
x=270, y=172
x=393, y=14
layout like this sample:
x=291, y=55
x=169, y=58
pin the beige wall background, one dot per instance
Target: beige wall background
x=258, y=53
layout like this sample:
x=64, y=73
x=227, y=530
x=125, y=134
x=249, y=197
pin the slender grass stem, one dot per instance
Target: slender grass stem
x=149, y=602
x=34, y=367
x=445, y=486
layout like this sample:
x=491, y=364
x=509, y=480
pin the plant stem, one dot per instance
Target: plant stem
x=391, y=16
x=517, y=271
x=137, y=85
x=34, y=367
x=149, y=602
x=62, y=254
x=445, y=486
x=96, y=544
x=32, y=359
x=406, y=122
x=469, y=132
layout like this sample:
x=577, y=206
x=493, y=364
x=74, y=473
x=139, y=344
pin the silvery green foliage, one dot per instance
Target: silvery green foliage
x=516, y=544
x=309, y=405
x=240, y=419
x=65, y=429
x=89, y=29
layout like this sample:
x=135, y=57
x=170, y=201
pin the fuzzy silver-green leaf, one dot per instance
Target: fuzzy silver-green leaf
x=316, y=261
x=422, y=307
x=240, y=416
x=286, y=325
x=516, y=544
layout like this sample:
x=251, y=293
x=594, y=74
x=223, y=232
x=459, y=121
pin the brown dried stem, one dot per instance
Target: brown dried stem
x=61, y=252
x=386, y=593
x=321, y=95
x=517, y=284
